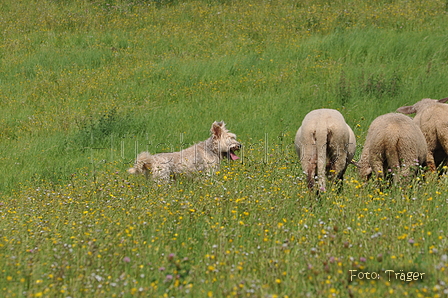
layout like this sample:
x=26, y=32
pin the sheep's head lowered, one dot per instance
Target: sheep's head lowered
x=431, y=117
x=420, y=106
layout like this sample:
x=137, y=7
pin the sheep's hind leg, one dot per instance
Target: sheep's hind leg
x=441, y=154
x=430, y=162
x=338, y=165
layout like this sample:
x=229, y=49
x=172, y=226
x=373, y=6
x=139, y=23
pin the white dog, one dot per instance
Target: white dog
x=204, y=156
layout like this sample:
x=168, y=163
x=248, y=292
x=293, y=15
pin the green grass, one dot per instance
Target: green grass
x=86, y=85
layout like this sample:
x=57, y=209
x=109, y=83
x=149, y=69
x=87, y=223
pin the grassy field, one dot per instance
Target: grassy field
x=85, y=85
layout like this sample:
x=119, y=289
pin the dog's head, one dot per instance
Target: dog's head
x=142, y=164
x=225, y=141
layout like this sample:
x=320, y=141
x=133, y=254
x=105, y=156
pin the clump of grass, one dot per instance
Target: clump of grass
x=95, y=132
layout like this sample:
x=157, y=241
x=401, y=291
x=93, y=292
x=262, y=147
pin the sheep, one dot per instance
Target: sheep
x=394, y=144
x=431, y=117
x=325, y=145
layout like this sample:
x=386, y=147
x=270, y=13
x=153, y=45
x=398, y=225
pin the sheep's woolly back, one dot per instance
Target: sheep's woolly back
x=324, y=139
x=393, y=143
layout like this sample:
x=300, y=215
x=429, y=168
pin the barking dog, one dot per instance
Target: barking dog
x=204, y=156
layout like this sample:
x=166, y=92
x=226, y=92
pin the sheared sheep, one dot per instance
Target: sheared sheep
x=432, y=117
x=395, y=145
x=325, y=145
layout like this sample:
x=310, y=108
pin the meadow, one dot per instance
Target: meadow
x=85, y=85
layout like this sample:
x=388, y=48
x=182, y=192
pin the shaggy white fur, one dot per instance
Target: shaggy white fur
x=204, y=156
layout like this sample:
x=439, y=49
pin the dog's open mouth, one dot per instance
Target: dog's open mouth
x=232, y=155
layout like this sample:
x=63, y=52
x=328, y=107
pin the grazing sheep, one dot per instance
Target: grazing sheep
x=431, y=117
x=325, y=144
x=394, y=144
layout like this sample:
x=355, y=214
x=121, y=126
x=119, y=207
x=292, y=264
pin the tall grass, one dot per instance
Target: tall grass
x=85, y=85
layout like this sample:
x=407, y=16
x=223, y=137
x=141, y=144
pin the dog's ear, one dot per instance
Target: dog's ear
x=216, y=129
x=443, y=100
x=147, y=166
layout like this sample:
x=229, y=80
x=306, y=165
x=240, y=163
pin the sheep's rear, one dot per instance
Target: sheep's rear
x=325, y=145
x=394, y=145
